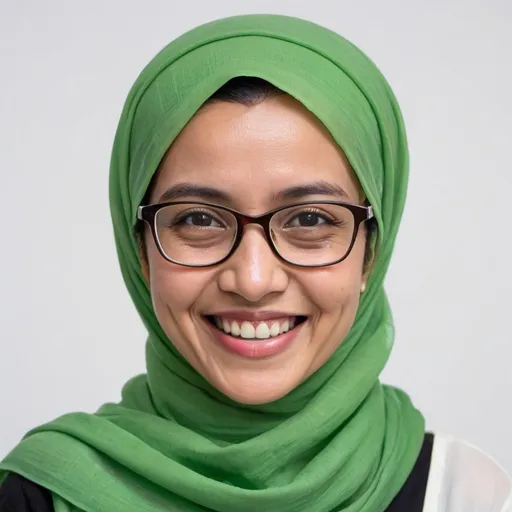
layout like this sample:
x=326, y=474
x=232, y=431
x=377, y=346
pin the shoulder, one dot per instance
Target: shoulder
x=462, y=477
x=17, y=494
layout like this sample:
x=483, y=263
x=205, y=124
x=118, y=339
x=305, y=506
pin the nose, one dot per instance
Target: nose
x=253, y=271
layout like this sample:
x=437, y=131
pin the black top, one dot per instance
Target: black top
x=18, y=494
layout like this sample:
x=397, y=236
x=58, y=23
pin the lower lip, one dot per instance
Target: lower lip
x=255, y=349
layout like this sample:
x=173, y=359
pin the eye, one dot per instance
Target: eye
x=199, y=219
x=307, y=220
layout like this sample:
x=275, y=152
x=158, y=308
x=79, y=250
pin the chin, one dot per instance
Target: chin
x=256, y=398
x=250, y=391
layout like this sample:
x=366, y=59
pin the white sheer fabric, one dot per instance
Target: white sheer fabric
x=462, y=478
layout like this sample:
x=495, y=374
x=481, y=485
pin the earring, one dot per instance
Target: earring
x=363, y=287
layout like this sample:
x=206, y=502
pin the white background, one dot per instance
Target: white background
x=69, y=334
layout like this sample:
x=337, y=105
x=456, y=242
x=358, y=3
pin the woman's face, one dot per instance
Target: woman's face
x=250, y=155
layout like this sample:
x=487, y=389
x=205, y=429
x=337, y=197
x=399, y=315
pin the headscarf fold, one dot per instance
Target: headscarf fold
x=341, y=441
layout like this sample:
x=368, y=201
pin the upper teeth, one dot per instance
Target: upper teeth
x=255, y=330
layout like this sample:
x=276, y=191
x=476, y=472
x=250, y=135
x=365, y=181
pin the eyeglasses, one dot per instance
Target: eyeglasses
x=195, y=234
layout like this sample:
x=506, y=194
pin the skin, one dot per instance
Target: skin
x=250, y=152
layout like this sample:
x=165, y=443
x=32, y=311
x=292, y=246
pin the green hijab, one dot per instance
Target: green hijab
x=339, y=441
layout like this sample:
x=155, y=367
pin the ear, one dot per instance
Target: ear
x=143, y=256
x=369, y=255
x=145, y=267
x=365, y=276
x=369, y=261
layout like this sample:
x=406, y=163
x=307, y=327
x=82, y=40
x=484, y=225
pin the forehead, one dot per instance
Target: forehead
x=252, y=152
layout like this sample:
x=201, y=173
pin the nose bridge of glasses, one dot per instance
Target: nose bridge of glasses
x=257, y=223
x=260, y=222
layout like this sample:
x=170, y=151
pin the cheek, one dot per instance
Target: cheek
x=336, y=290
x=334, y=293
x=175, y=289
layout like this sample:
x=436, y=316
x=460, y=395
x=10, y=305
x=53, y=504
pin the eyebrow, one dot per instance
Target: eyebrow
x=315, y=188
x=182, y=190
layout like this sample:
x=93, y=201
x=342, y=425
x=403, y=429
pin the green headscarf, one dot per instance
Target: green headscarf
x=341, y=440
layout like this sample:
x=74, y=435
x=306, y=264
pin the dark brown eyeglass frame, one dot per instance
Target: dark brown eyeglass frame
x=147, y=213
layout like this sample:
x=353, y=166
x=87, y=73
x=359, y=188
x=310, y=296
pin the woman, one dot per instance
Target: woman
x=257, y=182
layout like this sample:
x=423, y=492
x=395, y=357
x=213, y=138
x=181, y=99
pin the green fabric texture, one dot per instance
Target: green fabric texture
x=341, y=441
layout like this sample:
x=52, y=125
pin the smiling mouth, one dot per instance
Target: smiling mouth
x=260, y=330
